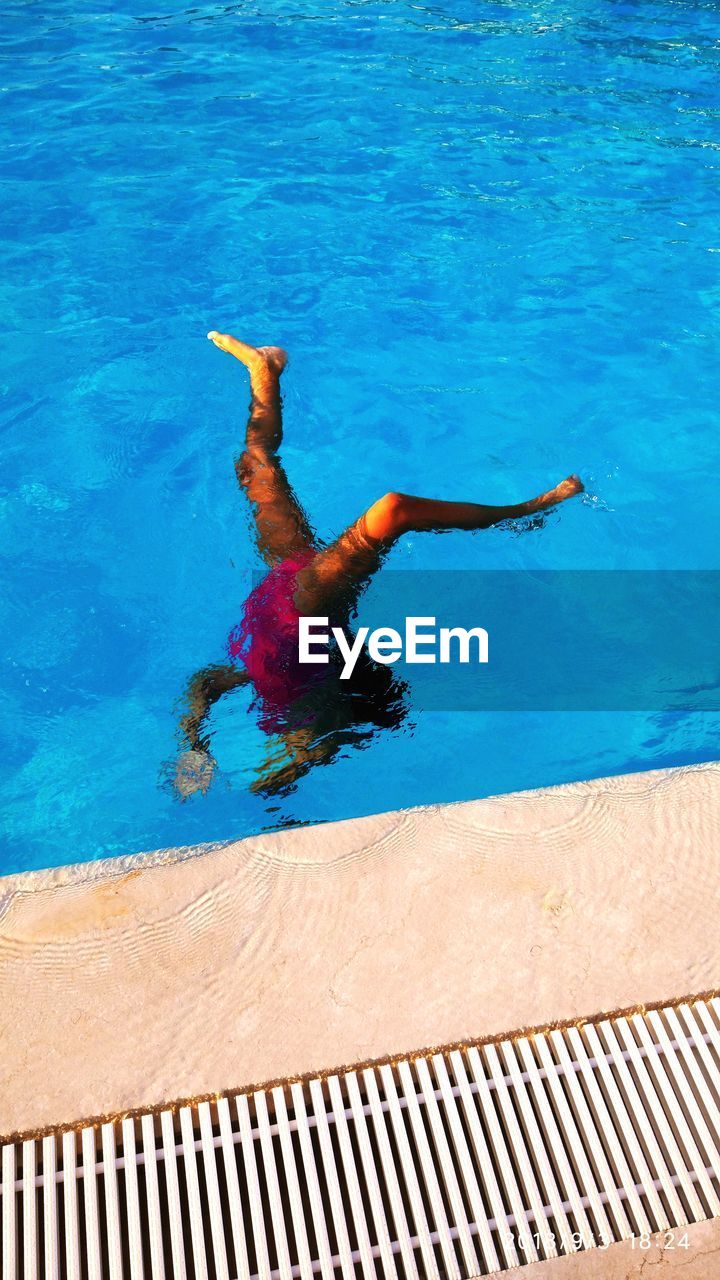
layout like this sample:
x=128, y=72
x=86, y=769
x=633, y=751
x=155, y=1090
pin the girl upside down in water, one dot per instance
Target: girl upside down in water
x=312, y=713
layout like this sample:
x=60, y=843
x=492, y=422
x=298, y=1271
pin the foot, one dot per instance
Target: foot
x=273, y=358
x=567, y=489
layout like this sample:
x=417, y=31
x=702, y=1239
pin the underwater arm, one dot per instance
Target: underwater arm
x=195, y=766
x=204, y=689
x=300, y=751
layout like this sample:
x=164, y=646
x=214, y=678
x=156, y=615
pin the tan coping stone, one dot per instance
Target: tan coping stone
x=665, y=1257
x=181, y=974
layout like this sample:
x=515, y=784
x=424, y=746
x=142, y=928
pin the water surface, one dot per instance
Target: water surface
x=488, y=237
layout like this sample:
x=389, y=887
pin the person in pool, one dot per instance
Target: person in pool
x=307, y=709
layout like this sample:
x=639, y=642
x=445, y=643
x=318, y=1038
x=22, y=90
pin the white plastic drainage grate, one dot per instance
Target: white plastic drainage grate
x=461, y=1164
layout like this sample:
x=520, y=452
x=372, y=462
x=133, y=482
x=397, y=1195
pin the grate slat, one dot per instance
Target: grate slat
x=293, y=1185
x=132, y=1193
x=153, y=1199
x=112, y=1207
x=90, y=1203
x=456, y=1164
x=172, y=1191
x=237, y=1225
x=30, y=1240
x=253, y=1186
x=50, y=1209
x=9, y=1210
x=70, y=1205
x=276, y=1208
x=213, y=1189
x=193, y=1190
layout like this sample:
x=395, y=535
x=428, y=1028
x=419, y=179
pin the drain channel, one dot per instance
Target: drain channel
x=458, y=1164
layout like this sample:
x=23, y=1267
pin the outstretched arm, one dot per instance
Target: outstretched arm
x=204, y=689
x=195, y=766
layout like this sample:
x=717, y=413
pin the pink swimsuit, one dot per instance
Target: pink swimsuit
x=266, y=642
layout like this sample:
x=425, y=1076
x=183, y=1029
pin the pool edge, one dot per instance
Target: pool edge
x=180, y=973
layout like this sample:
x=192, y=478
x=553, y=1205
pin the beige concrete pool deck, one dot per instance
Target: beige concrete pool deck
x=133, y=982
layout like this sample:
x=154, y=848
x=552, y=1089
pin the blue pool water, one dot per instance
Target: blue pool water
x=488, y=236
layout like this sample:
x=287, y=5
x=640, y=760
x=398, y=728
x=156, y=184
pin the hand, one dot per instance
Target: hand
x=193, y=772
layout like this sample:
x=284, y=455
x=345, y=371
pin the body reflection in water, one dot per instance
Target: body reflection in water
x=307, y=711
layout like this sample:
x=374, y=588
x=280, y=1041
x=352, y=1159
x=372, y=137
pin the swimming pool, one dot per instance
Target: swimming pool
x=488, y=238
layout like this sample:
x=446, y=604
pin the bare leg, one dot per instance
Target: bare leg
x=398, y=513
x=335, y=574
x=281, y=523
